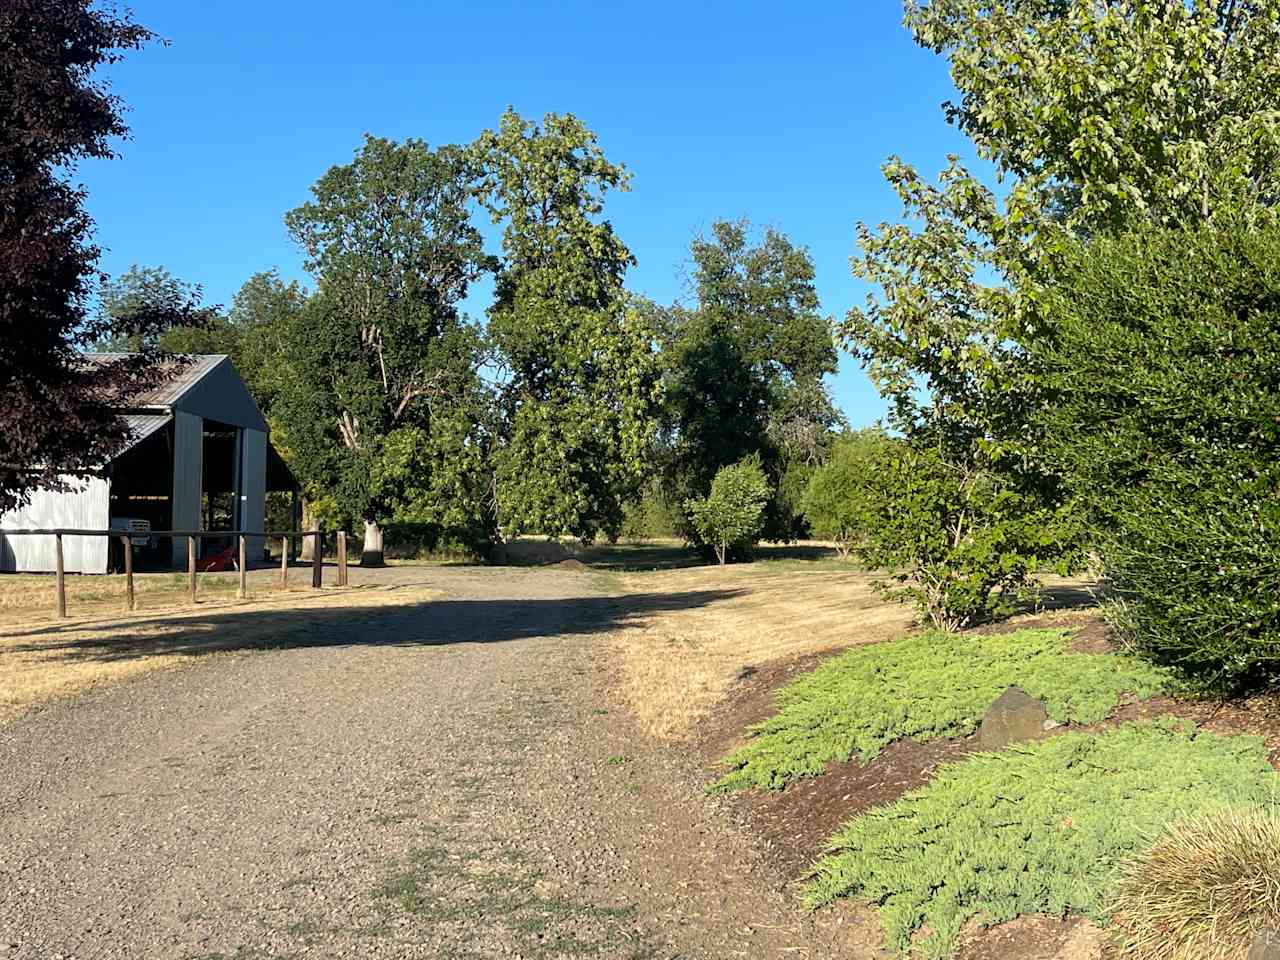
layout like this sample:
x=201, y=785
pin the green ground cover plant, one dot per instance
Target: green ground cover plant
x=926, y=687
x=1040, y=828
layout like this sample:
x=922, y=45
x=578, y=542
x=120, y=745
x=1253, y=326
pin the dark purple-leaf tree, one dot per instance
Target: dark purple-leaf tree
x=58, y=414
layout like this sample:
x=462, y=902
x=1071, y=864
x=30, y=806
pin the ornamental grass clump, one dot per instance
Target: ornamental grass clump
x=925, y=688
x=1204, y=890
x=1040, y=828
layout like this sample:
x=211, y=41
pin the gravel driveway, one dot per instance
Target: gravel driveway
x=447, y=779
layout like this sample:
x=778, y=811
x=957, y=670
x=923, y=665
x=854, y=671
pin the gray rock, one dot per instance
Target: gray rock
x=1266, y=945
x=1014, y=716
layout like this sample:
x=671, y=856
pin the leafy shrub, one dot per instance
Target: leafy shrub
x=924, y=688
x=1035, y=829
x=732, y=514
x=1204, y=890
x=1164, y=419
x=837, y=502
x=962, y=543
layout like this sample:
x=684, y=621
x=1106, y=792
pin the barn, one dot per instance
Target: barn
x=200, y=458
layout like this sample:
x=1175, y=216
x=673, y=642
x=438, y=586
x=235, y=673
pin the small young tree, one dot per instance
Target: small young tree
x=837, y=503
x=960, y=543
x=732, y=514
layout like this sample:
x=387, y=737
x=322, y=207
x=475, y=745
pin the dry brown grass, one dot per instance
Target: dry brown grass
x=678, y=664
x=41, y=657
x=31, y=597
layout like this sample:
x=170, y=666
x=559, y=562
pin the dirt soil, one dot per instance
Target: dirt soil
x=445, y=778
x=794, y=824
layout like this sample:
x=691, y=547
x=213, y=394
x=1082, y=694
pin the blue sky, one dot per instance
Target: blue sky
x=781, y=113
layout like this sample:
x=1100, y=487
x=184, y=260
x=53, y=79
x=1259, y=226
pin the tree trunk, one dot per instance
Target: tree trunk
x=721, y=550
x=308, y=543
x=371, y=555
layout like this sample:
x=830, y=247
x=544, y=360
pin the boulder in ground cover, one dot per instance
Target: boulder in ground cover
x=1013, y=717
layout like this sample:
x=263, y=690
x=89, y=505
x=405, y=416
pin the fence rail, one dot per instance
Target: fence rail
x=242, y=590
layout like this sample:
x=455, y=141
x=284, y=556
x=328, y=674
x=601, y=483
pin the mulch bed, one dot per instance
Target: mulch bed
x=795, y=824
x=1025, y=938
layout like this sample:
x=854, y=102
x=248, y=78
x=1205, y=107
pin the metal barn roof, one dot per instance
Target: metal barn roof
x=176, y=379
x=207, y=385
x=143, y=425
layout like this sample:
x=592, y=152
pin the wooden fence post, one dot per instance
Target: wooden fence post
x=284, y=562
x=191, y=566
x=342, y=558
x=242, y=591
x=317, y=559
x=129, y=602
x=62, y=580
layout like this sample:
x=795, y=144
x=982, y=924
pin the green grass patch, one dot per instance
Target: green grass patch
x=926, y=687
x=1040, y=828
x=453, y=885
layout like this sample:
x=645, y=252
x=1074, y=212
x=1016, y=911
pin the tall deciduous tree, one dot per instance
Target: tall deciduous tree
x=261, y=316
x=580, y=374
x=744, y=368
x=382, y=348
x=141, y=289
x=58, y=416
x=1097, y=114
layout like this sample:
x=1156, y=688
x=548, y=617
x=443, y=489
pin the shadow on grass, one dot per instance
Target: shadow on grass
x=415, y=623
x=660, y=555
x=1065, y=597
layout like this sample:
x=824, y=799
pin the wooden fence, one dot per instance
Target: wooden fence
x=242, y=590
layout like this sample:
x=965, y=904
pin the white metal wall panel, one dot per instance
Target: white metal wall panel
x=188, y=453
x=253, y=487
x=87, y=507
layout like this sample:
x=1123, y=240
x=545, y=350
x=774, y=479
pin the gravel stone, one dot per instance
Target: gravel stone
x=445, y=779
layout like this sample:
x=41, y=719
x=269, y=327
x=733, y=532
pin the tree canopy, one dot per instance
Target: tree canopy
x=59, y=416
x=142, y=289
x=743, y=368
x=579, y=379
x=1097, y=115
x=382, y=347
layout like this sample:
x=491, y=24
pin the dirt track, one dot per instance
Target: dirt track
x=443, y=779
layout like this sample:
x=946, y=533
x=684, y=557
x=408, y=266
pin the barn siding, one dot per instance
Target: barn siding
x=253, y=487
x=188, y=452
x=85, y=508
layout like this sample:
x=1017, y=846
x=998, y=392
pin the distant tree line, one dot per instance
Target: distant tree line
x=574, y=405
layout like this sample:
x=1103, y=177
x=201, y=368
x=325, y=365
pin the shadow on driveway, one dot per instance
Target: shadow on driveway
x=425, y=623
